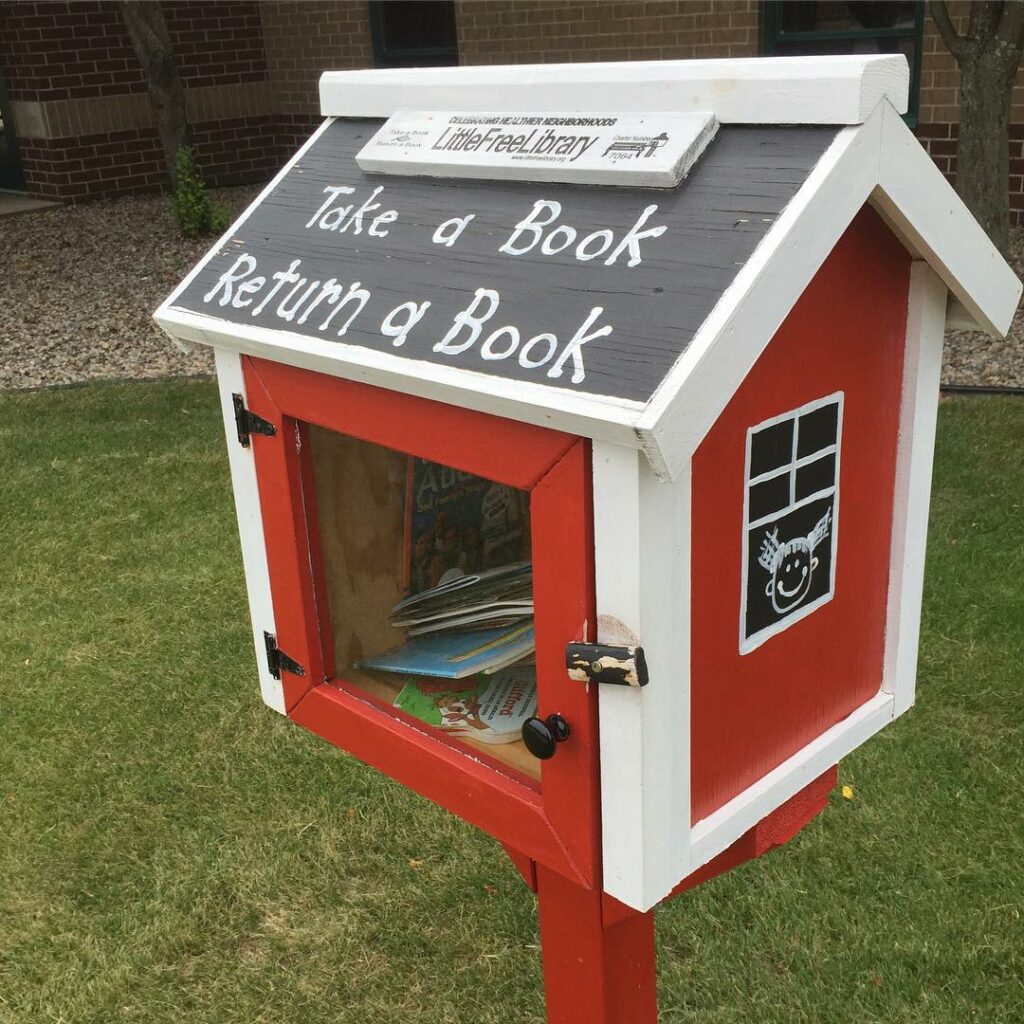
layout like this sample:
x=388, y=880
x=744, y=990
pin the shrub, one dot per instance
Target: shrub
x=197, y=213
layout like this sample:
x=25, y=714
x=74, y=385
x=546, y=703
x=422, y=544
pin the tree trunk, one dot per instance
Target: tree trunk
x=988, y=56
x=983, y=152
x=152, y=44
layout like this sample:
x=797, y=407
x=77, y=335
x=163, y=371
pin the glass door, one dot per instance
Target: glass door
x=428, y=566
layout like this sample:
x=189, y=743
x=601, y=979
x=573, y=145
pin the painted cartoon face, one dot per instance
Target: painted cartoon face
x=791, y=579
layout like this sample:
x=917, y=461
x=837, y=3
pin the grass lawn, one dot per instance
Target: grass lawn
x=171, y=851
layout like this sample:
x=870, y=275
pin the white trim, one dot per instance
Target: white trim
x=750, y=311
x=642, y=557
x=760, y=90
x=718, y=831
x=957, y=316
x=250, y=525
x=880, y=162
x=751, y=643
x=161, y=313
x=616, y=476
x=925, y=211
x=595, y=416
x=922, y=366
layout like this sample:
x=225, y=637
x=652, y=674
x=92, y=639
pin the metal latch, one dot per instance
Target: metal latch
x=248, y=422
x=604, y=663
x=278, y=660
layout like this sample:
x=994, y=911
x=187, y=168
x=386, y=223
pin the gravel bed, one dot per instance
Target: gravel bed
x=78, y=286
x=974, y=358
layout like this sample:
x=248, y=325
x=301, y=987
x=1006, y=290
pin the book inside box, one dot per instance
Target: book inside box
x=426, y=592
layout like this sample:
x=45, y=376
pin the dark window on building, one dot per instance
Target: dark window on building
x=10, y=165
x=413, y=34
x=797, y=27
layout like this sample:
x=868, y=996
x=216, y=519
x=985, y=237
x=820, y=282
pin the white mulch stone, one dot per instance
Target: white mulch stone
x=974, y=358
x=78, y=286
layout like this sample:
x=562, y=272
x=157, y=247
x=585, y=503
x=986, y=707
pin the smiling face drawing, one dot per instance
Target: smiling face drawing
x=791, y=564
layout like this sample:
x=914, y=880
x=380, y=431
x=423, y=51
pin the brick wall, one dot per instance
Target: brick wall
x=250, y=68
x=543, y=31
x=303, y=40
x=84, y=120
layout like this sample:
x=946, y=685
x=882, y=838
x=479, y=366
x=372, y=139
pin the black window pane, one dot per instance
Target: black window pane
x=409, y=34
x=421, y=25
x=768, y=496
x=845, y=15
x=815, y=476
x=771, y=448
x=817, y=430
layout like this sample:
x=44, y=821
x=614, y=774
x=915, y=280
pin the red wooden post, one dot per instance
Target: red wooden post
x=594, y=972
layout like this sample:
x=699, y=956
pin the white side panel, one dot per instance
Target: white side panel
x=720, y=830
x=642, y=547
x=922, y=368
x=753, y=307
x=555, y=408
x=924, y=210
x=774, y=90
x=250, y=525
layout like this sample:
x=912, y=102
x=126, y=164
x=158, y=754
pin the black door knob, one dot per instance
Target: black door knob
x=542, y=735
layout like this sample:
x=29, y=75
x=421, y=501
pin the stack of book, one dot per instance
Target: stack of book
x=466, y=624
x=467, y=658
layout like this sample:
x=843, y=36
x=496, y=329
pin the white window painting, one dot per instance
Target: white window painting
x=790, y=518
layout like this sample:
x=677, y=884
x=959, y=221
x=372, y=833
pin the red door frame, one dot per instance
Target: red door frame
x=557, y=824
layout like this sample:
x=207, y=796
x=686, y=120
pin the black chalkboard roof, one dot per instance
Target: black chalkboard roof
x=626, y=314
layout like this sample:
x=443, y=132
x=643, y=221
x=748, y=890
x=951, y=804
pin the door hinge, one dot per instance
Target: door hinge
x=278, y=660
x=248, y=422
x=606, y=663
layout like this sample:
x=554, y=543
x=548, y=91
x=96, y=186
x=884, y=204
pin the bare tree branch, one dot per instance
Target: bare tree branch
x=983, y=21
x=955, y=43
x=152, y=45
x=1011, y=25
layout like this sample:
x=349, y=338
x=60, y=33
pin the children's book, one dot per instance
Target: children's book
x=455, y=655
x=490, y=709
x=456, y=520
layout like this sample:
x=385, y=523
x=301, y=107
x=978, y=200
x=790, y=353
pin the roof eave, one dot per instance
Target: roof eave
x=878, y=162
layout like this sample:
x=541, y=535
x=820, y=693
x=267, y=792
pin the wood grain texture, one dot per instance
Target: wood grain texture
x=594, y=971
x=713, y=222
x=360, y=491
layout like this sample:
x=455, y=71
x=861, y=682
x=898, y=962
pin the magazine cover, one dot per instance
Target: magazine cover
x=491, y=709
x=456, y=520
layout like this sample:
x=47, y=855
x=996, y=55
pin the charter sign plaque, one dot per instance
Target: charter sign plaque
x=645, y=150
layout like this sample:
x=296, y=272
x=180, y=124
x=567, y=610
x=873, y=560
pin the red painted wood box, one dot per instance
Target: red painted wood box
x=705, y=412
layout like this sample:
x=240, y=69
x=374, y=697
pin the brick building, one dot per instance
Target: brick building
x=77, y=122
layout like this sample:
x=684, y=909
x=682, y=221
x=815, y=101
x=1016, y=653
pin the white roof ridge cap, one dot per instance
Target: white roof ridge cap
x=841, y=89
x=817, y=66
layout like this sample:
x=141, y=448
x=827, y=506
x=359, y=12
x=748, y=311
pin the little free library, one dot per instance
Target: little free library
x=580, y=421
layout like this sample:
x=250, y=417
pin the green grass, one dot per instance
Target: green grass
x=171, y=851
